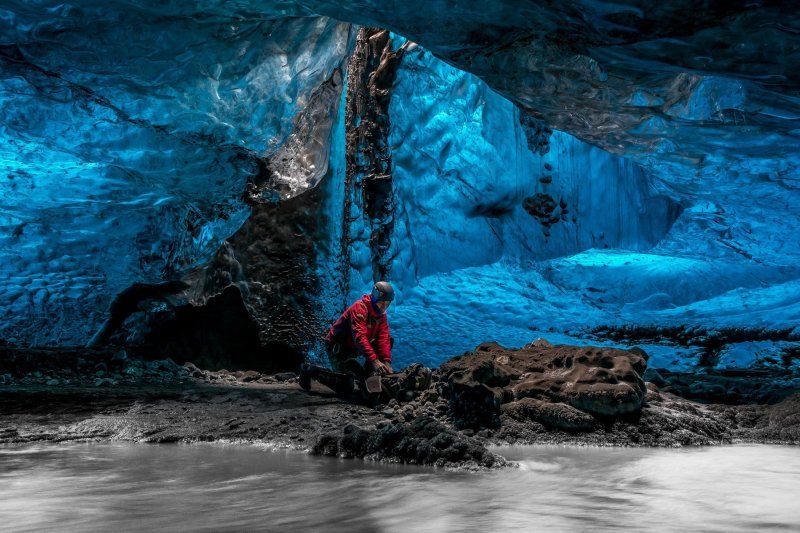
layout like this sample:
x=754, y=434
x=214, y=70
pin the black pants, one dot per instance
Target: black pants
x=346, y=361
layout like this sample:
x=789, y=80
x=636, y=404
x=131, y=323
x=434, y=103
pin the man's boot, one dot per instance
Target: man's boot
x=336, y=381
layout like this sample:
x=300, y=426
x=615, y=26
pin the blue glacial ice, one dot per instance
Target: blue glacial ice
x=668, y=194
x=636, y=247
x=127, y=136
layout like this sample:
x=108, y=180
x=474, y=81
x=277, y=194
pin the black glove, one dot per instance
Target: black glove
x=377, y=367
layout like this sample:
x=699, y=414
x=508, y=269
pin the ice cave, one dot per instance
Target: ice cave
x=213, y=183
x=588, y=173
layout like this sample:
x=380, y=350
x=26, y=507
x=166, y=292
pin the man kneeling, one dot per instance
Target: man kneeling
x=362, y=330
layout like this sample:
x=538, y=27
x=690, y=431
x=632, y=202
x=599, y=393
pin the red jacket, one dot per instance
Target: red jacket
x=361, y=329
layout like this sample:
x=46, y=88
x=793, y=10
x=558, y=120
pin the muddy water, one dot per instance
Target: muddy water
x=128, y=487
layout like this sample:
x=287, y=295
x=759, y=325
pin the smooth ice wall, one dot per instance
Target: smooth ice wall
x=464, y=248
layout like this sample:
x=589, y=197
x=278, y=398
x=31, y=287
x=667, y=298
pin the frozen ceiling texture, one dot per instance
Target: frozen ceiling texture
x=586, y=171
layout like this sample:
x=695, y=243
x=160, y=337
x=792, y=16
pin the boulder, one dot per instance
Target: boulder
x=597, y=381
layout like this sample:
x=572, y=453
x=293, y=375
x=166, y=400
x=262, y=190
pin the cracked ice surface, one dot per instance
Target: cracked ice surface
x=127, y=134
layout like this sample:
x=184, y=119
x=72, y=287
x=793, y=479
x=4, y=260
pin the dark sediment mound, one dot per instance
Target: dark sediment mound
x=777, y=423
x=569, y=384
x=422, y=441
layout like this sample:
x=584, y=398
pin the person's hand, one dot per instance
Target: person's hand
x=375, y=366
x=388, y=366
x=378, y=367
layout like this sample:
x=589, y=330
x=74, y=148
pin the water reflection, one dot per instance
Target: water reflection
x=124, y=487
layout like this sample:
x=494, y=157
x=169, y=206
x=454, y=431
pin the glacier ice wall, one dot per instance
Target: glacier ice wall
x=466, y=179
x=466, y=247
x=127, y=136
x=131, y=129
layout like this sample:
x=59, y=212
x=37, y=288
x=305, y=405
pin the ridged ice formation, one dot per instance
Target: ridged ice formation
x=127, y=135
x=556, y=166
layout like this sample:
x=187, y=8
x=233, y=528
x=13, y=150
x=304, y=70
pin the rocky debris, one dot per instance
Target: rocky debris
x=78, y=366
x=422, y=440
x=736, y=365
x=596, y=381
x=104, y=367
x=238, y=377
x=555, y=415
x=536, y=396
x=371, y=74
x=545, y=210
x=779, y=423
x=731, y=386
x=711, y=341
x=537, y=134
x=667, y=420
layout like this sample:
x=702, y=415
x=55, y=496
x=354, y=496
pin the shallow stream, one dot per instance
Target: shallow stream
x=130, y=487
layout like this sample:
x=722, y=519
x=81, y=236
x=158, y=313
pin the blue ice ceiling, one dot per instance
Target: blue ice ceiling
x=127, y=135
x=633, y=249
x=130, y=130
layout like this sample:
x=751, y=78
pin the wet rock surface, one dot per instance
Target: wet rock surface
x=596, y=381
x=166, y=402
x=424, y=440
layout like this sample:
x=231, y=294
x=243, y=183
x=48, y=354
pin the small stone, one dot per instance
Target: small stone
x=99, y=374
x=467, y=432
x=121, y=355
x=249, y=376
x=52, y=382
x=133, y=371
